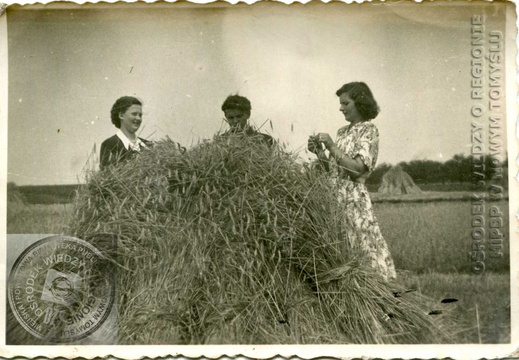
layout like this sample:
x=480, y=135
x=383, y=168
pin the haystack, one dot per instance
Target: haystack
x=233, y=242
x=397, y=182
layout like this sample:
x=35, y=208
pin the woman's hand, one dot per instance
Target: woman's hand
x=314, y=145
x=325, y=139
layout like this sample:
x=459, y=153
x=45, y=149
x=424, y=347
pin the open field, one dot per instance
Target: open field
x=436, y=237
x=430, y=243
x=450, y=191
x=431, y=196
x=37, y=219
x=483, y=308
x=46, y=194
x=430, y=187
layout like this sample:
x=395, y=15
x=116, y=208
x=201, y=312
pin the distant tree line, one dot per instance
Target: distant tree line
x=41, y=194
x=458, y=169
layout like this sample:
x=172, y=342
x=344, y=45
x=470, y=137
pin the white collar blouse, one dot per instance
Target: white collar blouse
x=129, y=145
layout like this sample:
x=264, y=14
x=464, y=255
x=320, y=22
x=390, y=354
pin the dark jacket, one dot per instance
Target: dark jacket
x=249, y=131
x=113, y=151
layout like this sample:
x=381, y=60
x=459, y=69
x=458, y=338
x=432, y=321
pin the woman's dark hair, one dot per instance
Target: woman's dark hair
x=237, y=102
x=363, y=97
x=121, y=105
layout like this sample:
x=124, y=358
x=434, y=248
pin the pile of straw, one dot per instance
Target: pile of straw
x=233, y=242
x=397, y=182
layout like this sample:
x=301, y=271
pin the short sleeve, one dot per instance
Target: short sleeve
x=366, y=145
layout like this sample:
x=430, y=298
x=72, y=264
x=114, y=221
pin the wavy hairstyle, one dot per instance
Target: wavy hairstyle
x=364, y=101
x=121, y=105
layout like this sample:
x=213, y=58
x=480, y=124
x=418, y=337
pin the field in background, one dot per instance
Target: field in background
x=426, y=187
x=435, y=237
x=37, y=219
x=430, y=243
x=62, y=194
x=43, y=194
x=483, y=308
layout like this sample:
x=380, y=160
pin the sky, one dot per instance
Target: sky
x=67, y=66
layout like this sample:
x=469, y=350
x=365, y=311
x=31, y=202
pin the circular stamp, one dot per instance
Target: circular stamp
x=61, y=289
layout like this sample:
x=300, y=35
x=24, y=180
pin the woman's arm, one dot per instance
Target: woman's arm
x=104, y=155
x=353, y=166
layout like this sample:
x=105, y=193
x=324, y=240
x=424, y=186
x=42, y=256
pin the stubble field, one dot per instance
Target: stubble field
x=430, y=244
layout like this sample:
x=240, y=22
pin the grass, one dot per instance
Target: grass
x=430, y=196
x=46, y=194
x=432, y=187
x=447, y=186
x=37, y=219
x=486, y=296
x=436, y=237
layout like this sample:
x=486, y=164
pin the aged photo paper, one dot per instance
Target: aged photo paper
x=309, y=180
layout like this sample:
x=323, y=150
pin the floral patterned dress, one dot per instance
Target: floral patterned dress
x=361, y=140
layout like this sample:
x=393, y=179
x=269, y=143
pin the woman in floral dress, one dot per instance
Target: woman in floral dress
x=351, y=159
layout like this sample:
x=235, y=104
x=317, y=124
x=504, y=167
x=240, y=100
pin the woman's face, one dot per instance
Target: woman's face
x=131, y=119
x=348, y=108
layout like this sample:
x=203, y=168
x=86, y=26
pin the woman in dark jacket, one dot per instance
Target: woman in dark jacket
x=126, y=115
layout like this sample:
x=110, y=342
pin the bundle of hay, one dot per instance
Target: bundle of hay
x=397, y=182
x=233, y=242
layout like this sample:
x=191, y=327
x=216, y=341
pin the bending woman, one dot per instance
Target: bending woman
x=126, y=115
x=352, y=158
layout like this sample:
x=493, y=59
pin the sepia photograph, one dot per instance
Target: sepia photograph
x=259, y=176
